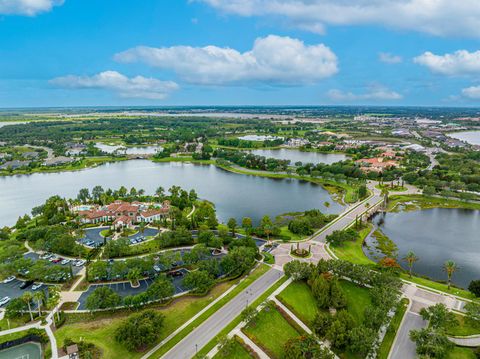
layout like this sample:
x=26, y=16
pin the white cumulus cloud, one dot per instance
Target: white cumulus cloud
x=272, y=60
x=472, y=92
x=389, y=58
x=135, y=87
x=437, y=17
x=27, y=7
x=373, y=93
x=461, y=62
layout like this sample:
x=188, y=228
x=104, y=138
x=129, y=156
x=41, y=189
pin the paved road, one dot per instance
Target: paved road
x=201, y=335
x=347, y=219
x=404, y=348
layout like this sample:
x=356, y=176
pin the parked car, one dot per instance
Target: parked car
x=52, y=258
x=37, y=286
x=4, y=301
x=57, y=260
x=46, y=255
x=9, y=279
x=157, y=268
x=26, y=284
x=79, y=262
x=65, y=261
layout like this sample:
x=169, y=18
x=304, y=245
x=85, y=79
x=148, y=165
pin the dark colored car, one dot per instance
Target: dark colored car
x=26, y=284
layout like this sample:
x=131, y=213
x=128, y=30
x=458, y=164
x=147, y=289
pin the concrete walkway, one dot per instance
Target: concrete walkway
x=261, y=354
x=472, y=341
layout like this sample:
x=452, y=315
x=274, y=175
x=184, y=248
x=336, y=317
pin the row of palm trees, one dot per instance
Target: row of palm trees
x=38, y=297
x=449, y=266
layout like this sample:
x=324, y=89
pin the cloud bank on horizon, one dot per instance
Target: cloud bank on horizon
x=27, y=7
x=432, y=17
x=312, y=55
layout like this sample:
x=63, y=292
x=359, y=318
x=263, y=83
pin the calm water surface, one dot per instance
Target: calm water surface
x=437, y=235
x=304, y=157
x=6, y=123
x=472, y=137
x=235, y=195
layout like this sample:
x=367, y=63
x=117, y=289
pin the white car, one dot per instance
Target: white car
x=46, y=256
x=37, y=286
x=65, y=261
x=80, y=262
x=8, y=280
x=4, y=301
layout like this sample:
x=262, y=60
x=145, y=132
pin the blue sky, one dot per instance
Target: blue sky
x=239, y=52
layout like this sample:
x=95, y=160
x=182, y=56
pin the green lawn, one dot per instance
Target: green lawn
x=461, y=353
x=358, y=298
x=299, y=299
x=438, y=286
x=238, y=352
x=464, y=327
x=271, y=331
x=353, y=251
x=392, y=330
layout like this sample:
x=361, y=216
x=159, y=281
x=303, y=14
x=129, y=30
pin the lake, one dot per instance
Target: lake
x=143, y=150
x=302, y=156
x=436, y=235
x=6, y=123
x=472, y=137
x=234, y=195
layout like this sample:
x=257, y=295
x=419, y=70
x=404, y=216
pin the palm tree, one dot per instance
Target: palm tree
x=38, y=297
x=450, y=267
x=410, y=258
x=134, y=275
x=141, y=227
x=27, y=298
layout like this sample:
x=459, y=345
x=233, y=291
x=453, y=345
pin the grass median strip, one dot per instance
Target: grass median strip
x=258, y=272
x=212, y=343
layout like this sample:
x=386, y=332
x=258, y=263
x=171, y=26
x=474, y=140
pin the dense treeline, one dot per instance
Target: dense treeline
x=249, y=160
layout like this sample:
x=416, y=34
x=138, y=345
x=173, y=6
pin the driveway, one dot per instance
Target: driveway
x=93, y=234
x=404, y=348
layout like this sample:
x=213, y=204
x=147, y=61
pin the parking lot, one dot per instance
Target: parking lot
x=36, y=257
x=124, y=288
x=13, y=290
x=93, y=234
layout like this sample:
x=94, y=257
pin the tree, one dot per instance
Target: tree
x=38, y=296
x=141, y=227
x=321, y=323
x=140, y=330
x=134, y=275
x=83, y=195
x=15, y=308
x=298, y=270
x=232, y=224
x=249, y=314
x=226, y=346
x=306, y=346
x=27, y=298
x=199, y=281
x=410, y=258
x=247, y=224
x=160, y=192
x=267, y=226
x=238, y=260
x=103, y=298
x=338, y=333
x=162, y=288
x=431, y=343
x=474, y=287
x=439, y=316
x=361, y=340
x=450, y=267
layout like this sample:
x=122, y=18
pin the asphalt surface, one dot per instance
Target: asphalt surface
x=404, y=348
x=125, y=289
x=201, y=335
x=94, y=235
x=36, y=257
x=13, y=290
x=347, y=219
